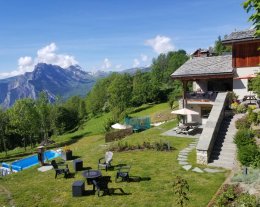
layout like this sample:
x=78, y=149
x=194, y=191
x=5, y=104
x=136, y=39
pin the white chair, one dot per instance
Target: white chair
x=105, y=162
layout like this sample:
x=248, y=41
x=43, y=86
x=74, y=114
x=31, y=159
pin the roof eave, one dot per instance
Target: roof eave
x=203, y=76
x=239, y=40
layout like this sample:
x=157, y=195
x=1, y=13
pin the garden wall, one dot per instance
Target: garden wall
x=210, y=131
x=120, y=134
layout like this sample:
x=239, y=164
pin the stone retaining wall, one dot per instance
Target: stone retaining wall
x=210, y=131
x=117, y=135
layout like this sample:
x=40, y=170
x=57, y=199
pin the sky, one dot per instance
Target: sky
x=109, y=34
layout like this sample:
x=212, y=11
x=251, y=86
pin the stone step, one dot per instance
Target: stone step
x=223, y=165
x=222, y=157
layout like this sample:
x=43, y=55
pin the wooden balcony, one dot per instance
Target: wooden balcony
x=208, y=96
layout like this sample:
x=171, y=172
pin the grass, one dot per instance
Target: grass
x=33, y=188
x=158, y=113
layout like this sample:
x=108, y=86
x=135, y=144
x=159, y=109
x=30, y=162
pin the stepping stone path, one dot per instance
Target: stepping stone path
x=183, y=160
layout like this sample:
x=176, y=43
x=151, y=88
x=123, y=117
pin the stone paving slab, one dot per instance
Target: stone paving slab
x=183, y=163
x=186, y=167
x=184, y=153
x=182, y=159
x=198, y=170
x=209, y=170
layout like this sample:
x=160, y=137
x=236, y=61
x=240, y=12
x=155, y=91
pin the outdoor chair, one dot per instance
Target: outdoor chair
x=105, y=162
x=58, y=170
x=123, y=173
x=101, y=184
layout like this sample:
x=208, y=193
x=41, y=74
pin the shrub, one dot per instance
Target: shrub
x=181, y=189
x=226, y=197
x=247, y=154
x=246, y=200
x=241, y=108
x=243, y=123
x=244, y=137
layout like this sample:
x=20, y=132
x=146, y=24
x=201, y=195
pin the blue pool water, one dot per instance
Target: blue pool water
x=31, y=161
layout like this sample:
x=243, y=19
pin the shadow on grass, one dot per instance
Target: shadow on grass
x=111, y=192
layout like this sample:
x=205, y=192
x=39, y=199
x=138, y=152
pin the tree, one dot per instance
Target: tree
x=253, y=6
x=181, y=189
x=256, y=85
x=3, y=125
x=24, y=120
x=219, y=48
x=44, y=110
x=142, y=88
x=98, y=97
x=120, y=92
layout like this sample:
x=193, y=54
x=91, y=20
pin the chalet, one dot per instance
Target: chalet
x=213, y=74
x=245, y=59
x=211, y=78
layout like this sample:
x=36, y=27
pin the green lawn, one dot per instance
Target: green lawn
x=33, y=188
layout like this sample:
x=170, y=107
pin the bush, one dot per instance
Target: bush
x=247, y=154
x=246, y=200
x=244, y=137
x=243, y=123
x=241, y=108
x=226, y=197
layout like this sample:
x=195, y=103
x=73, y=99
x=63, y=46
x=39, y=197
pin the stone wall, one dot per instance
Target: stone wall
x=210, y=131
x=119, y=134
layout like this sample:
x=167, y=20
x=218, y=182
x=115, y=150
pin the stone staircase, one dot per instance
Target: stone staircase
x=224, y=149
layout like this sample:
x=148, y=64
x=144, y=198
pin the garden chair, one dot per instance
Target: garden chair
x=58, y=170
x=123, y=173
x=101, y=184
x=105, y=162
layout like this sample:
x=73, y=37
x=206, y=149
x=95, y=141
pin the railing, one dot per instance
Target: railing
x=201, y=96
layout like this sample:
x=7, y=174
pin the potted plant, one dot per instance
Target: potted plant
x=66, y=153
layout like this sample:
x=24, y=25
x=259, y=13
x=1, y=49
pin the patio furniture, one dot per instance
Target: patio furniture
x=78, y=165
x=123, y=173
x=101, y=184
x=105, y=162
x=58, y=170
x=91, y=175
x=78, y=188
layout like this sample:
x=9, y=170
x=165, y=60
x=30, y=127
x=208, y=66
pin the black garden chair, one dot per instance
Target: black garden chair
x=58, y=171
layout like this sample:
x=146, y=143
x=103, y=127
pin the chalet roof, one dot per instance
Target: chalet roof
x=205, y=66
x=240, y=36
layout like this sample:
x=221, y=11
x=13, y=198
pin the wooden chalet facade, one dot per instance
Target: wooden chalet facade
x=214, y=74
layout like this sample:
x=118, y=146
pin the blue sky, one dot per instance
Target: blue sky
x=109, y=34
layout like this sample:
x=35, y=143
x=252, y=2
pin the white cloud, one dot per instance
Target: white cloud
x=25, y=64
x=47, y=55
x=106, y=64
x=144, y=58
x=160, y=44
x=136, y=63
x=119, y=66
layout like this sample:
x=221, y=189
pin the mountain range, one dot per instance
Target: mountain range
x=52, y=79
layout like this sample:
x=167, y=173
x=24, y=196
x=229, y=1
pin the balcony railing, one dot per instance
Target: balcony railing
x=208, y=96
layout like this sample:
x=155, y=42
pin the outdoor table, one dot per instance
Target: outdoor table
x=91, y=175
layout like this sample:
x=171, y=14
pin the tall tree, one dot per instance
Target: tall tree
x=3, y=127
x=142, y=88
x=219, y=48
x=120, y=92
x=24, y=120
x=44, y=111
x=254, y=7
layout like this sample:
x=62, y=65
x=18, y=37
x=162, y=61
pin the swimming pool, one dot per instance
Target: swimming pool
x=31, y=161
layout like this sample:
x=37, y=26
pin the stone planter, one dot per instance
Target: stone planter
x=67, y=155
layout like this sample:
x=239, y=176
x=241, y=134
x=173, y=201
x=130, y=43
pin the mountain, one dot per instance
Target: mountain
x=54, y=80
x=50, y=78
